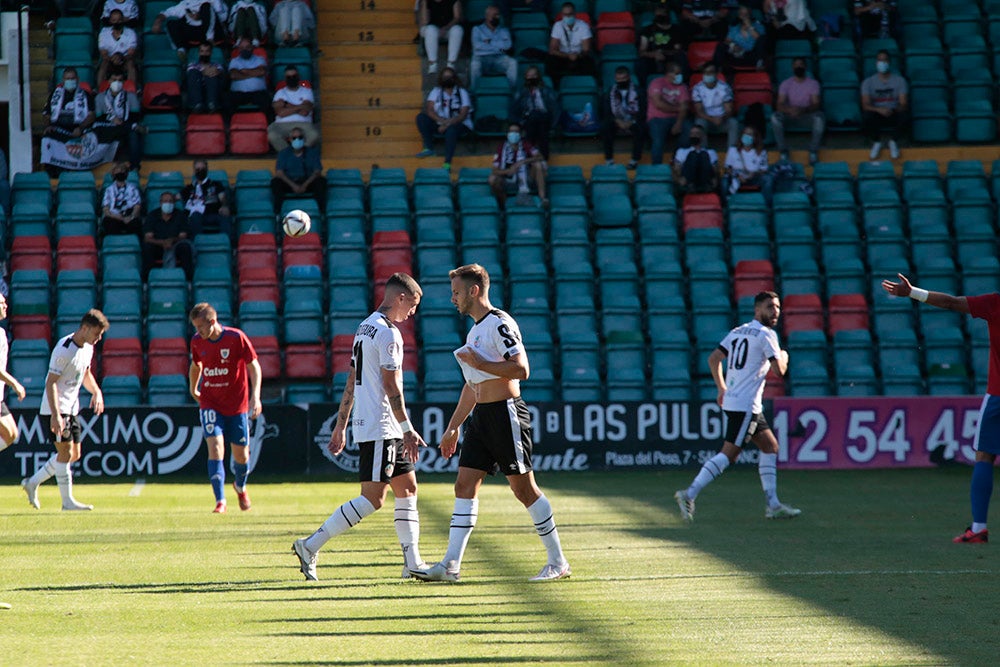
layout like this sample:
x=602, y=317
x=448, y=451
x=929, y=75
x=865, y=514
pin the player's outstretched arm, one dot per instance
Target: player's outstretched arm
x=12, y=382
x=392, y=383
x=449, y=440
x=938, y=299
x=96, y=395
x=338, y=436
x=253, y=372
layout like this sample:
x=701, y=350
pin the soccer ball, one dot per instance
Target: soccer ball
x=296, y=223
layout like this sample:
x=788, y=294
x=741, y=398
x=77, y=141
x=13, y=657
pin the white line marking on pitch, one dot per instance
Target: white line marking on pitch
x=137, y=489
x=814, y=573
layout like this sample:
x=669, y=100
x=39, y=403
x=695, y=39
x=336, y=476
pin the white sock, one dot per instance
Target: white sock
x=344, y=518
x=713, y=467
x=44, y=473
x=767, y=468
x=64, y=477
x=545, y=526
x=407, y=520
x=463, y=520
x=977, y=527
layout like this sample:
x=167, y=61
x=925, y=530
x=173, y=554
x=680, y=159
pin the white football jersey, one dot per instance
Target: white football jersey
x=70, y=363
x=4, y=352
x=496, y=337
x=749, y=349
x=377, y=345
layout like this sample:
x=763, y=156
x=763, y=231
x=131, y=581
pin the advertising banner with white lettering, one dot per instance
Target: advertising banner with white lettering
x=884, y=432
x=126, y=443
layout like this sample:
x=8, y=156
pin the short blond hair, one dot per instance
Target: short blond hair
x=472, y=274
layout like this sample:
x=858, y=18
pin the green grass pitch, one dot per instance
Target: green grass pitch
x=867, y=575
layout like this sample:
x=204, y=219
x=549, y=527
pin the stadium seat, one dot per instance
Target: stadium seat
x=163, y=136
x=801, y=312
x=847, y=311
x=31, y=253
x=76, y=252
x=168, y=356
x=248, y=133
x=122, y=356
x=751, y=277
x=168, y=390
x=702, y=210
x=306, y=362
x=121, y=391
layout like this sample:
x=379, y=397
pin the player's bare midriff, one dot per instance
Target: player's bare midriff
x=491, y=391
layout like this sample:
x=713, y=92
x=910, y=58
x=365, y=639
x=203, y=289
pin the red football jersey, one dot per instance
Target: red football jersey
x=224, y=375
x=987, y=307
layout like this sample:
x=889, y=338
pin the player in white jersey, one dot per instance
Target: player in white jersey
x=751, y=350
x=498, y=432
x=8, y=427
x=387, y=443
x=69, y=367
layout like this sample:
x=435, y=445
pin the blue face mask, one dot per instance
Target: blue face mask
x=513, y=137
x=298, y=143
x=678, y=79
x=568, y=21
x=882, y=67
x=747, y=140
x=709, y=79
x=69, y=85
x=167, y=207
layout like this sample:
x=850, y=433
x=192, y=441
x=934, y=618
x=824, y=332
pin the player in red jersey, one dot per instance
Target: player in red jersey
x=223, y=362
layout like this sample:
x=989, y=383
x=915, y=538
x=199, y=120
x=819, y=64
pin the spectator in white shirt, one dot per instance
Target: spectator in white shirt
x=713, y=105
x=248, y=18
x=117, y=44
x=746, y=165
x=128, y=8
x=447, y=113
x=247, y=82
x=191, y=22
x=441, y=19
x=293, y=108
x=569, y=46
x=121, y=205
x=491, y=43
x=293, y=22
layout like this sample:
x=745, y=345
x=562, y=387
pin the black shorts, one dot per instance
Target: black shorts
x=71, y=428
x=498, y=435
x=4, y=410
x=381, y=460
x=742, y=426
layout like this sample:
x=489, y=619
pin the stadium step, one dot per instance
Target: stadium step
x=361, y=69
x=376, y=32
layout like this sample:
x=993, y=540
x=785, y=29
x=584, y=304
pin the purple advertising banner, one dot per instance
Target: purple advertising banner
x=886, y=432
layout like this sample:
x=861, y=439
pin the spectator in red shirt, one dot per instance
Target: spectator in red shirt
x=516, y=164
x=667, y=110
x=799, y=107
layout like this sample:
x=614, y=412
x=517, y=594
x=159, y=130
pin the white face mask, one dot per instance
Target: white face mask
x=167, y=207
x=882, y=67
x=69, y=85
x=513, y=137
x=116, y=86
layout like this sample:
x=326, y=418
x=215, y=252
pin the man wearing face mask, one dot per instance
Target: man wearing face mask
x=204, y=81
x=885, y=101
x=537, y=107
x=298, y=171
x=660, y=43
x=293, y=109
x=117, y=45
x=622, y=114
x=713, y=105
x=247, y=83
x=166, y=237
x=447, y=113
x=205, y=203
x=569, y=46
x=696, y=167
x=491, y=43
x=118, y=113
x=799, y=107
x=667, y=111
x=69, y=110
x=121, y=204
x=516, y=164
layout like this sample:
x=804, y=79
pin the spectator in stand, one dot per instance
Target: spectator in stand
x=205, y=202
x=447, y=113
x=570, y=46
x=293, y=22
x=660, y=43
x=491, y=44
x=119, y=118
x=247, y=79
x=516, y=165
x=69, y=111
x=713, y=104
x=787, y=19
x=536, y=107
x=117, y=45
x=885, y=101
x=128, y=8
x=121, y=205
x=799, y=107
x=248, y=19
x=204, y=81
x=192, y=22
x=441, y=19
x=667, y=111
x=293, y=108
x=622, y=114
x=4, y=182
x=875, y=18
x=166, y=238
x=696, y=168
x=298, y=171
x=703, y=19
x=743, y=46
x=746, y=165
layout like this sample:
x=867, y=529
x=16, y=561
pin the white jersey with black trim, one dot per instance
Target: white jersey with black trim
x=749, y=349
x=4, y=353
x=377, y=345
x=496, y=337
x=70, y=362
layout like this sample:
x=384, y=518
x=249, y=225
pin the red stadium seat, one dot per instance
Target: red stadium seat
x=848, y=311
x=775, y=385
x=168, y=356
x=700, y=53
x=248, y=133
x=395, y=239
x=752, y=81
x=259, y=284
x=305, y=362
x=302, y=250
x=205, y=134
x=752, y=276
x=31, y=252
x=744, y=98
x=702, y=210
x=409, y=358
x=268, y=356
x=76, y=252
x=161, y=96
x=32, y=327
x=256, y=251
x=615, y=28
x=340, y=357
x=122, y=356
x=801, y=312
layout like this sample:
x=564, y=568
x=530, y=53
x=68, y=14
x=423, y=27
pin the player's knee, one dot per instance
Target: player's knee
x=527, y=496
x=465, y=490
